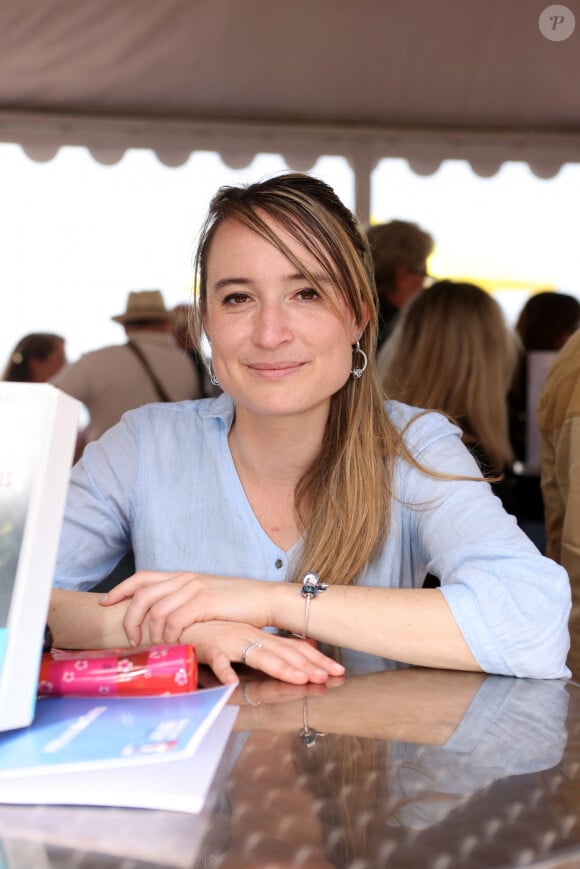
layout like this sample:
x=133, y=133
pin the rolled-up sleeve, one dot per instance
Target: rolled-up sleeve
x=511, y=603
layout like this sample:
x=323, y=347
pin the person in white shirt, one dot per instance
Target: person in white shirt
x=150, y=367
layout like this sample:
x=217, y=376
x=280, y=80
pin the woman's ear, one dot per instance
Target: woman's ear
x=361, y=325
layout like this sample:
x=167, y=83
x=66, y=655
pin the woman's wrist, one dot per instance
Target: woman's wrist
x=287, y=607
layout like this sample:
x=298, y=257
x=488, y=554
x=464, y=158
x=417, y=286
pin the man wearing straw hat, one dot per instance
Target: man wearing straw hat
x=149, y=367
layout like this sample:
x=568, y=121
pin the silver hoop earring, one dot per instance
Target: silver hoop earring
x=212, y=374
x=356, y=371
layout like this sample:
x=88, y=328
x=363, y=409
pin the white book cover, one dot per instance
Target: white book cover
x=38, y=430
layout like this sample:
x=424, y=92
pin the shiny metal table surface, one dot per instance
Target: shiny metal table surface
x=398, y=768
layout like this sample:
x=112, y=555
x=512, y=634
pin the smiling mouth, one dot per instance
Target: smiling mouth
x=274, y=369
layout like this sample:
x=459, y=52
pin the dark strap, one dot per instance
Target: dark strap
x=143, y=359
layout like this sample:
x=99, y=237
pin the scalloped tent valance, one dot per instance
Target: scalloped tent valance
x=484, y=81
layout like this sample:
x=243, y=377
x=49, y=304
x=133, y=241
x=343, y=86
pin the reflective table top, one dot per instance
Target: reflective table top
x=398, y=768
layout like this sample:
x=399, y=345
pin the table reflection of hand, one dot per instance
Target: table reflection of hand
x=413, y=744
x=409, y=705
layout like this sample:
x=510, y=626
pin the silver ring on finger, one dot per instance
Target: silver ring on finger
x=253, y=645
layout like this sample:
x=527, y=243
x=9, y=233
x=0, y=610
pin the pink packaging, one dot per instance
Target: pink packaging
x=119, y=672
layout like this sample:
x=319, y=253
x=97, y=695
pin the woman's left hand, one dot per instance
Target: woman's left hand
x=172, y=602
x=223, y=643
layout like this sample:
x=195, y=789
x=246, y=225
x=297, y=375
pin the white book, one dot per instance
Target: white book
x=141, y=752
x=38, y=430
x=159, y=837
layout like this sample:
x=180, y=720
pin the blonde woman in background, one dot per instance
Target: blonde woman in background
x=452, y=350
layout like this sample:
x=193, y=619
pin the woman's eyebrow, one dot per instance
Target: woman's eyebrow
x=224, y=283
x=319, y=277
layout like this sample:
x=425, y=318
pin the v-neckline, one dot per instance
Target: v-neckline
x=236, y=476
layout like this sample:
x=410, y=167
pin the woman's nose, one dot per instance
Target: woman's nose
x=272, y=325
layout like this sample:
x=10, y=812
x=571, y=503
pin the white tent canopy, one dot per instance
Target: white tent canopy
x=423, y=80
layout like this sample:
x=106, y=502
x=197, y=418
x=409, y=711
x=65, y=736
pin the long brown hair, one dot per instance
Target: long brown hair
x=345, y=495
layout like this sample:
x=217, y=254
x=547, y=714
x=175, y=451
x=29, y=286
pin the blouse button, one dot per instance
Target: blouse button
x=278, y=563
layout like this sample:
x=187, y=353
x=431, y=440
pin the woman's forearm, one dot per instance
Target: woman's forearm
x=414, y=626
x=77, y=621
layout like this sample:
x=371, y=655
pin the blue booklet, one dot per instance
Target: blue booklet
x=84, y=732
x=144, y=752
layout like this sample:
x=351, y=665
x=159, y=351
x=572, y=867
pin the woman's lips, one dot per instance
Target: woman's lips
x=274, y=370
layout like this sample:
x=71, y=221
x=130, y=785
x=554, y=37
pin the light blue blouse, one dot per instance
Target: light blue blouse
x=163, y=480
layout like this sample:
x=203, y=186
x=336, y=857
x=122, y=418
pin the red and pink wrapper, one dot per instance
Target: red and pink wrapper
x=155, y=670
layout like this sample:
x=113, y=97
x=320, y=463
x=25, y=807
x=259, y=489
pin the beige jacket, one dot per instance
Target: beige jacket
x=558, y=416
x=112, y=380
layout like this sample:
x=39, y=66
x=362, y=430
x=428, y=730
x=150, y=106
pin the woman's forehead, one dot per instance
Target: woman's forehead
x=235, y=240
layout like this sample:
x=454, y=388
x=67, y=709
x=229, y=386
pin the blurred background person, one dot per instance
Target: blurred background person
x=545, y=323
x=451, y=350
x=36, y=358
x=558, y=417
x=400, y=251
x=149, y=367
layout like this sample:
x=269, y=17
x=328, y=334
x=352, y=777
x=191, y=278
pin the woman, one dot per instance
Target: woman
x=299, y=467
x=546, y=322
x=452, y=351
x=36, y=358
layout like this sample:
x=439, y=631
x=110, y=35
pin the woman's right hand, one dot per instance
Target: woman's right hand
x=219, y=644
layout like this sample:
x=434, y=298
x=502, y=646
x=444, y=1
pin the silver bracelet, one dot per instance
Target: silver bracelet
x=311, y=586
x=307, y=735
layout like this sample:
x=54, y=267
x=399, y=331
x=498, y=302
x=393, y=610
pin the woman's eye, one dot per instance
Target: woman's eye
x=235, y=299
x=308, y=294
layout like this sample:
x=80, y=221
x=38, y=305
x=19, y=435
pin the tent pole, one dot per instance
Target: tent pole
x=362, y=166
